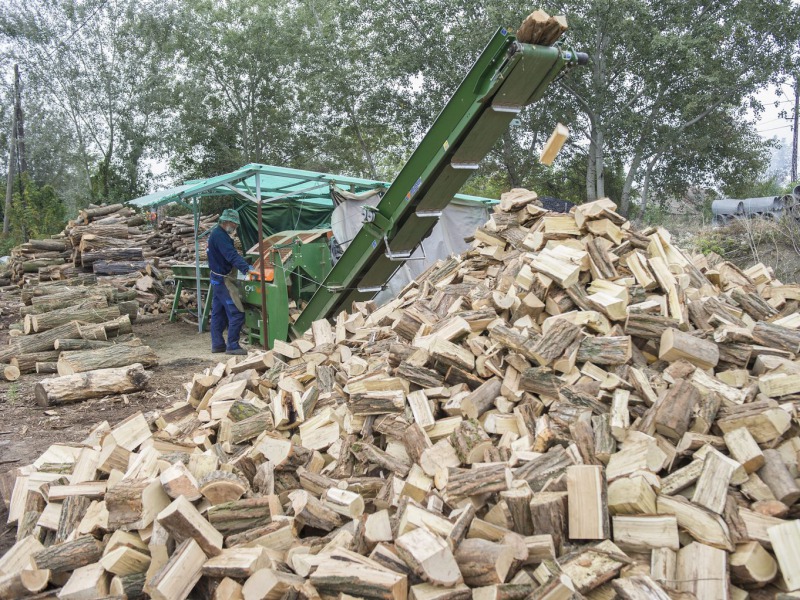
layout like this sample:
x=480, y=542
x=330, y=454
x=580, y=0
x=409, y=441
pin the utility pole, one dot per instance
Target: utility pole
x=12, y=161
x=22, y=156
x=794, y=130
x=19, y=138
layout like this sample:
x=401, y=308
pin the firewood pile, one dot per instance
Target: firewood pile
x=571, y=409
x=173, y=240
x=117, y=245
x=74, y=326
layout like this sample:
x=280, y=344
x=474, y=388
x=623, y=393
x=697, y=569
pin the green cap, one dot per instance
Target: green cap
x=230, y=215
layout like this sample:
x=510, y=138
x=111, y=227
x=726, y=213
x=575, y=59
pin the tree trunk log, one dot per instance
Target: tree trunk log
x=118, y=355
x=776, y=336
x=49, y=245
x=69, y=556
x=114, y=231
x=67, y=345
x=130, y=586
x=39, y=342
x=92, y=384
x=778, y=478
x=483, y=562
x=118, y=268
x=46, y=321
x=111, y=255
x=26, y=582
x=605, y=350
x=462, y=483
x=32, y=266
x=9, y=372
x=69, y=301
x=26, y=363
x=90, y=213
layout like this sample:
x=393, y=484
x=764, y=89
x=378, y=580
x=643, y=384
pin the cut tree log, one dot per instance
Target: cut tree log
x=90, y=581
x=179, y=575
x=102, y=267
x=429, y=557
x=117, y=355
x=9, y=372
x=26, y=363
x=91, y=384
x=68, y=556
x=751, y=565
x=785, y=540
x=483, y=562
x=26, y=582
x=702, y=571
x=778, y=478
x=368, y=580
x=49, y=320
x=674, y=412
x=554, y=144
x=676, y=345
x=744, y=449
x=588, y=503
x=40, y=342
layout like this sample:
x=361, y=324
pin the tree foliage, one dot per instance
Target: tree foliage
x=118, y=89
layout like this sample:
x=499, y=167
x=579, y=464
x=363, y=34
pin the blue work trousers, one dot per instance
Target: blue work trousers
x=224, y=314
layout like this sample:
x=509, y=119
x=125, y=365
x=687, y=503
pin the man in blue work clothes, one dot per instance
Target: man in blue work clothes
x=223, y=260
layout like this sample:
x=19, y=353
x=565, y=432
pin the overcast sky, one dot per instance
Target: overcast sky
x=771, y=124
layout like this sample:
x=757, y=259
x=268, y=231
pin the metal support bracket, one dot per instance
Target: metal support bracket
x=403, y=256
x=370, y=290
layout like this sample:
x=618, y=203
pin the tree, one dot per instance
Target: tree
x=91, y=64
x=659, y=69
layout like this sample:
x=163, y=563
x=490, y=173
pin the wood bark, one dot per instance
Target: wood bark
x=117, y=355
x=45, y=321
x=91, y=384
x=102, y=267
x=68, y=556
x=483, y=562
x=40, y=342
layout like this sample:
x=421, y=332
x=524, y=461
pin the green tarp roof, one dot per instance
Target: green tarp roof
x=276, y=183
x=293, y=198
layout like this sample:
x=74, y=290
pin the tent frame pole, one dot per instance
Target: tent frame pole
x=196, y=210
x=261, y=259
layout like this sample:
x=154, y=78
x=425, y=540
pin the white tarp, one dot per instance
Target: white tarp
x=459, y=219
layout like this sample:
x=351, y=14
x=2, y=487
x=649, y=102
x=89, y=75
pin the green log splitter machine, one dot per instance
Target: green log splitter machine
x=507, y=76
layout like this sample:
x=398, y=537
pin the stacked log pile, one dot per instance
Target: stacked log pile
x=173, y=240
x=571, y=409
x=74, y=326
x=116, y=244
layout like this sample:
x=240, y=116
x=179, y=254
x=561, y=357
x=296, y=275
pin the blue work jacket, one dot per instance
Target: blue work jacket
x=222, y=255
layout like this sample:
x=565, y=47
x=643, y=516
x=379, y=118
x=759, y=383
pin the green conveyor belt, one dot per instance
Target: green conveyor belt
x=507, y=76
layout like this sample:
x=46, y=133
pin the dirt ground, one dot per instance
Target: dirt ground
x=27, y=429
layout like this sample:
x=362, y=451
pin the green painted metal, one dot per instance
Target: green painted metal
x=507, y=76
x=186, y=275
x=277, y=326
x=297, y=279
x=308, y=187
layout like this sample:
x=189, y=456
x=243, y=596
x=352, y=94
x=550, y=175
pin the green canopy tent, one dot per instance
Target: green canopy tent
x=289, y=199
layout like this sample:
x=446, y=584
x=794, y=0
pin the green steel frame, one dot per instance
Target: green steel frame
x=298, y=278
x=261, y=184
x=507, y=76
